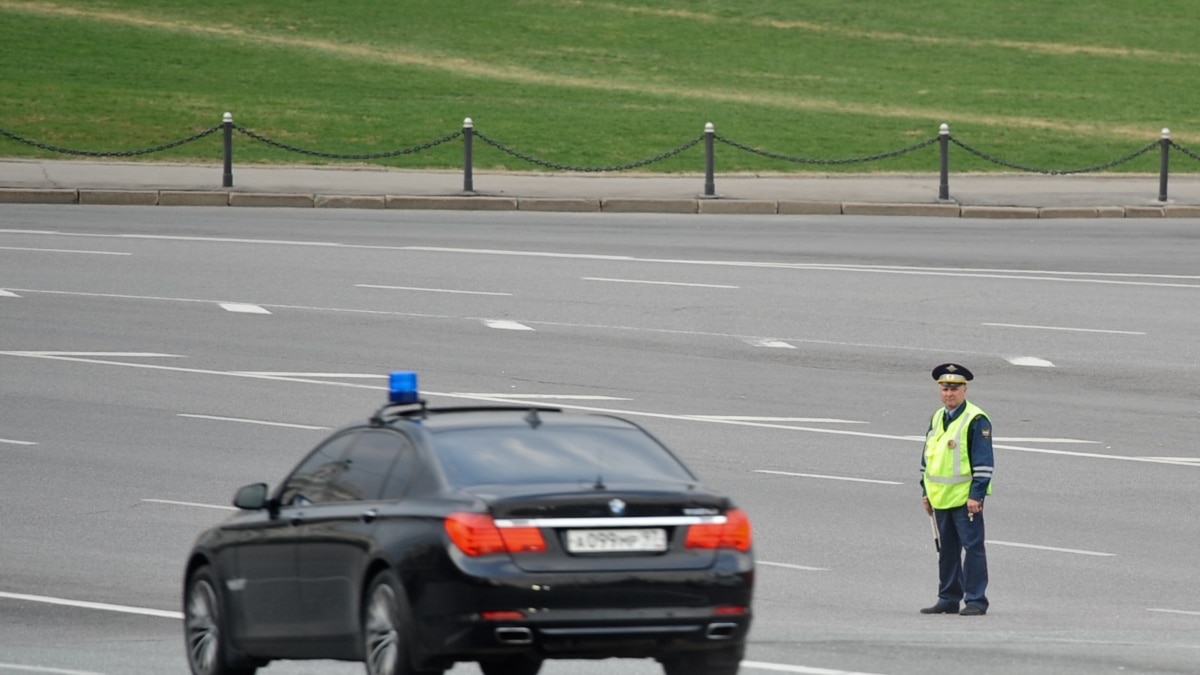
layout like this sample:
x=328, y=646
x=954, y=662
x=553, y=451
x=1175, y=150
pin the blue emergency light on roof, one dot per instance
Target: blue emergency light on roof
x=402, y=387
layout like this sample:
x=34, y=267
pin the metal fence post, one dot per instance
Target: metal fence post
x=468, y=157
x=944, y=186
x=1162, y=165
x=710, y=185
x=227, y=179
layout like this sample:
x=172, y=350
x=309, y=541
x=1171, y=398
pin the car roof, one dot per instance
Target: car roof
x=436, y=420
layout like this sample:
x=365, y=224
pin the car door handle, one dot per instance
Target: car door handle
x=370, y=515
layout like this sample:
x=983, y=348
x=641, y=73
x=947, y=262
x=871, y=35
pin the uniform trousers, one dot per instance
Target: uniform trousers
x=962, y=562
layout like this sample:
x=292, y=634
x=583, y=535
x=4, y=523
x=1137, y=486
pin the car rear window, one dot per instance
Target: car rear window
x=555, y=455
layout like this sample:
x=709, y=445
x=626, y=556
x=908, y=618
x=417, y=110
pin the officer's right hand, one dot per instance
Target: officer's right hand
x=928, y=508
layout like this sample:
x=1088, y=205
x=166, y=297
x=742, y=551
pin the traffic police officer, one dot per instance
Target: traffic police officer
x=956, y=475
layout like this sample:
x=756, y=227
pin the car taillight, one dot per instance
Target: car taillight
x=733, y=533
x=476, y=534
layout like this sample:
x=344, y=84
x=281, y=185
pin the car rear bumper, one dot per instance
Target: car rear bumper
x=593, y=634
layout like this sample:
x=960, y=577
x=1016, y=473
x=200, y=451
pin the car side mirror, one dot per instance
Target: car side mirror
x=251, y=497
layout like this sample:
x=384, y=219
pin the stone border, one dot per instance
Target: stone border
x=469, y=202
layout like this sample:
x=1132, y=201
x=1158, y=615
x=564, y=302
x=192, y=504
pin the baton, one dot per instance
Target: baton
x=937, y=540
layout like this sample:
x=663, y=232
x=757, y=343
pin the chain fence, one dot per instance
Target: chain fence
x=827, y=162
x=709, y=137
x=110, y=153
x=359, y=156
x=1056, y=172
x=588, y=169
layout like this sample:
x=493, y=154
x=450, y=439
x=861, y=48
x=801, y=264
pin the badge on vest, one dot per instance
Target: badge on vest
x=953, y=444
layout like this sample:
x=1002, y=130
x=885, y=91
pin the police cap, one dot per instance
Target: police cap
x=952, y=374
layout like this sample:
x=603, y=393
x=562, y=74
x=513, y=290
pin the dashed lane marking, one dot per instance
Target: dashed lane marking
x=197, y=505
x=46, y=669
x=249, y=421
x=429, y=290
x=244, y=308
x=1077, y=330
x=817, y=475
x=92, y=605
x=1053, y=549
x=60, y=250
x=505, y=325
x=790, y=566
x=657, y=283
x=1031, y=361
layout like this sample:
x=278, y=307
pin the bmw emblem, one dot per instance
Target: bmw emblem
x=617, y=507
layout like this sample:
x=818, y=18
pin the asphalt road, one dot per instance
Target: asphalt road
x=153, y=361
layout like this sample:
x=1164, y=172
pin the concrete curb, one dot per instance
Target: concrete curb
x=468, y=202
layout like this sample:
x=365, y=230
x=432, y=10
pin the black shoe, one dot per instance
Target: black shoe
x=972, y=610
x=941, y=608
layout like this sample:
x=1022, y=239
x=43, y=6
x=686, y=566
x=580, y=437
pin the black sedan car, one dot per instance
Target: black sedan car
x=423, y=537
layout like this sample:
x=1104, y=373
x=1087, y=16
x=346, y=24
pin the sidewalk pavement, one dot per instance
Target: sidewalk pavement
x=1006, y=195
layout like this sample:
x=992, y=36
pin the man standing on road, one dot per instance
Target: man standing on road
x=956, y=475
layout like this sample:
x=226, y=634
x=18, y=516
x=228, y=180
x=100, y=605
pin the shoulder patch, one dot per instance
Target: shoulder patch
x=986, y=432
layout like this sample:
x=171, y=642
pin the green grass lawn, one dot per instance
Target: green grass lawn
x=582, y=83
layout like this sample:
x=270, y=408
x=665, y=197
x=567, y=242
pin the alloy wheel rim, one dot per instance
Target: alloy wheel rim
x=202, y=632
x=382, y=638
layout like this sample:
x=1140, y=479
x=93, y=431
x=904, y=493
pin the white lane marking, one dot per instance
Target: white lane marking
x=361, y=376
x=1190, y=461
x=555, y=324
x=429, y=290
x=790, y=566
x=9, y=441
x=1054, y=549
x=244, y=308
x=247, y=421
x=1105, y=277
x=8, y=294
x=46, y=669
x=656, y=283
x=1173, y=611
x=1077, y=330
x=1032, y=361
x=769, y=342
x=740, y=418
x=505, y=325
x=612, y=411
x=193, y=504
x=126, y=355
x=817, y=475
x=1011, y=439
x=60, y=250
x=802, y=670
x=546, y=397
x=92, y=605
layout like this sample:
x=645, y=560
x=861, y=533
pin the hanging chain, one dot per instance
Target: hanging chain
x=112, y=153
x=334, y=155
x=1055, y=172
x=808, y=160
x=564, y=167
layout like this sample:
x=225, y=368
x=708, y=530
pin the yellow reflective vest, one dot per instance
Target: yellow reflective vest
x=948, y=472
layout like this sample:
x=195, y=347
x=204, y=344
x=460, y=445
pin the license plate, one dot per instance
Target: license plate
x=625, y=539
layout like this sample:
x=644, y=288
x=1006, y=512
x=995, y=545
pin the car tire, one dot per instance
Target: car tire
x=517, y=665
x=204, y=628
x=387, y=629
x=723, y=661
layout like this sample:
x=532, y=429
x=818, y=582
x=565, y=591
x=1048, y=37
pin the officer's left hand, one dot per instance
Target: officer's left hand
x=974, y=506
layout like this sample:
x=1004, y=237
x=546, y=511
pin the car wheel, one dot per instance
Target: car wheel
x=204, y=628
x=710, y=662
x=387, y=629
x=517, y=665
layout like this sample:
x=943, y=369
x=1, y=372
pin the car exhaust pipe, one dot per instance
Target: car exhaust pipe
x=514, y=635
x=720, y=631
